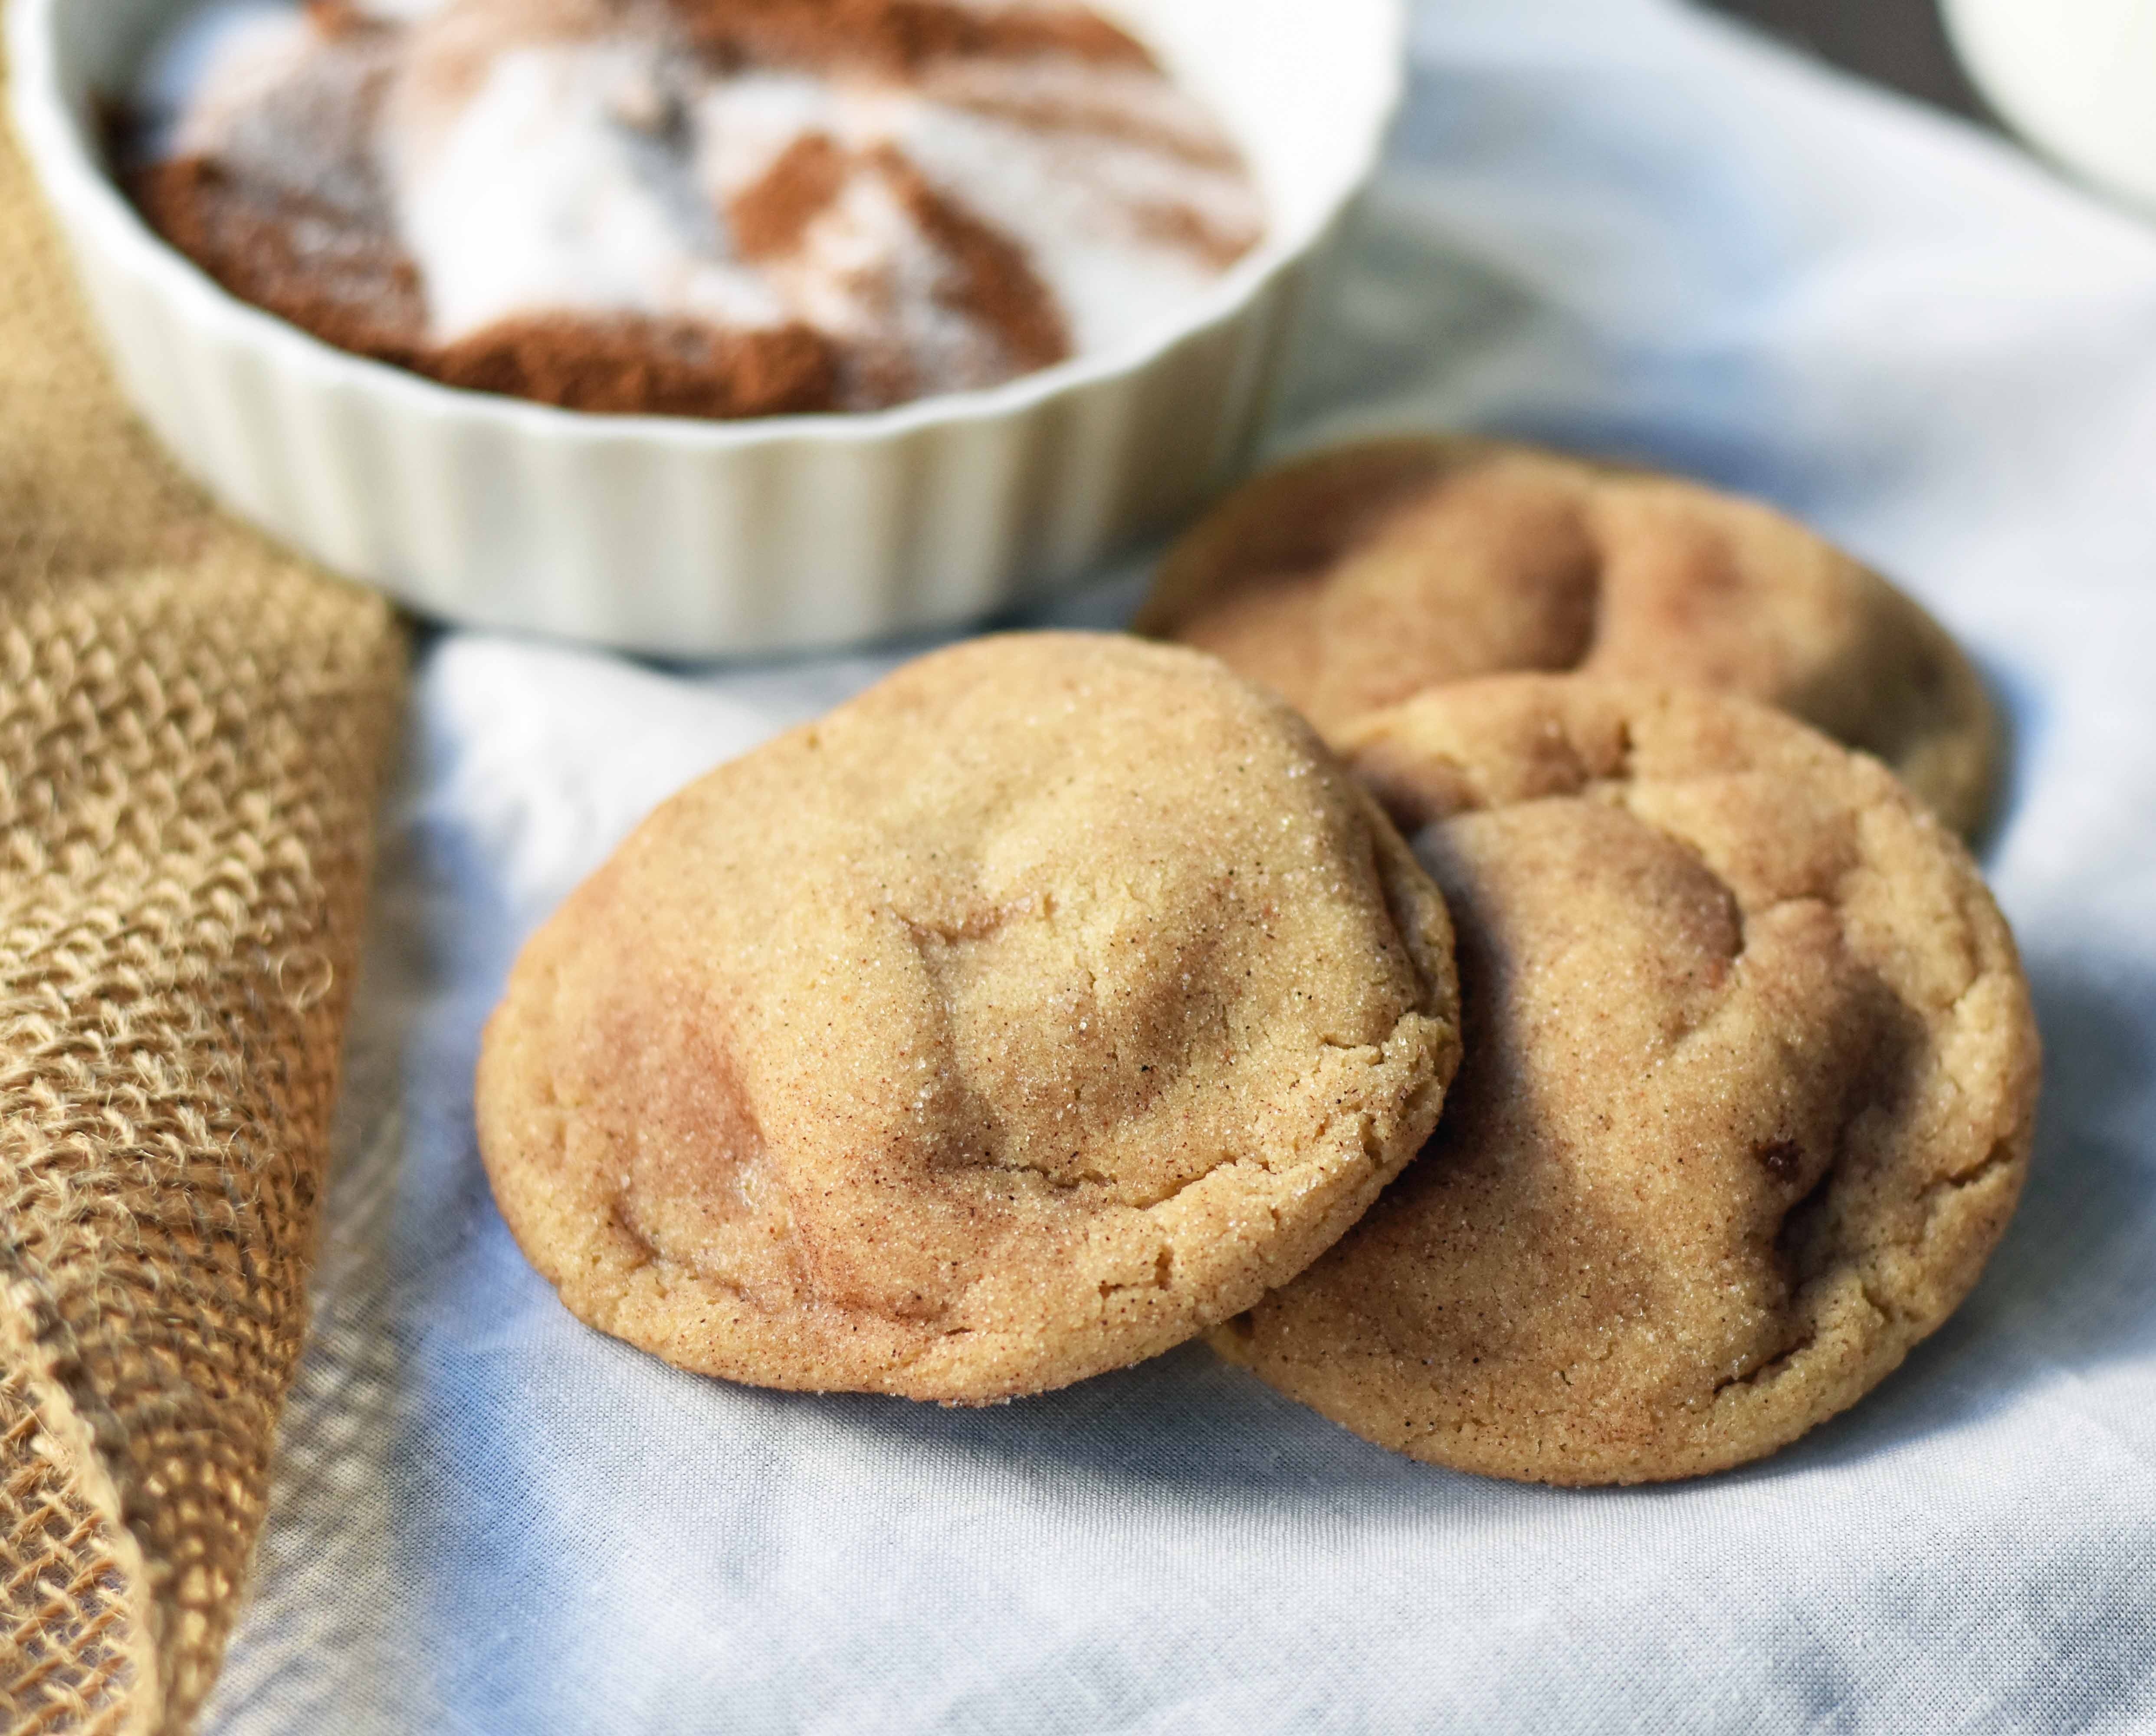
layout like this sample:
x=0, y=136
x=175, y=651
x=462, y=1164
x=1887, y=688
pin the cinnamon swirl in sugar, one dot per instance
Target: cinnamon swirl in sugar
x=702, y=207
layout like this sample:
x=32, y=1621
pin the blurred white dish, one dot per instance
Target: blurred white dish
x=2078, y=78
x=695, y=538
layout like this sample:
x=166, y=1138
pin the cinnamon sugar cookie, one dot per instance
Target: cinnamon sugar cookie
x=1748, y=1097
x=1355, y=578
x=1022, y=1018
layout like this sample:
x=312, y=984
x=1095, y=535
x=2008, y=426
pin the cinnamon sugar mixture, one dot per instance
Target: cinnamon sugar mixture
x=703, y=207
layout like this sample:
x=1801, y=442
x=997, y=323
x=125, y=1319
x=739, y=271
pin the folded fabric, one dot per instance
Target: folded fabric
x=1612, y=224
x=193, y=728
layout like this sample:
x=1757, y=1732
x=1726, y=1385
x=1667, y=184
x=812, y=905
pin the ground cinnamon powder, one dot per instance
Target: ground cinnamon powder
x=992, y=280
x=625, y=365
x=899, y=37
x=771, y=218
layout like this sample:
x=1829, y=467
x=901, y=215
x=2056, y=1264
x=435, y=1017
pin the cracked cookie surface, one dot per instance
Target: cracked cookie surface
x=1353, y=579
x=1021, y=1018
x=1749, y=1090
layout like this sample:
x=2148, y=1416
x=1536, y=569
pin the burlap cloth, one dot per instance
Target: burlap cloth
x=193, y=730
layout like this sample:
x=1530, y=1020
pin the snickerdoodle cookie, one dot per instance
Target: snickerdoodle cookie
x=1024, y=1017
x=1355, y=578
x=1746, y=1102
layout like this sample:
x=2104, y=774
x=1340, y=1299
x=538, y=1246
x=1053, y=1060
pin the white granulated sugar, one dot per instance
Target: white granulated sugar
x=537, y=197
x=214, y=63
x=285, y=108
x=1079, y=95
x=1070, y=202
x=1068, y=158
x=744, y=124
x=865, y=271
x=854, y=258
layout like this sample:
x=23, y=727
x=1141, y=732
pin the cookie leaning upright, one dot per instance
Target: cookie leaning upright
x=1035, y=1010
x=1749, y=1093
x=1354, y=579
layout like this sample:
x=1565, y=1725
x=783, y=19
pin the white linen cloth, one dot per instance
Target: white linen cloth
x=1616, y=224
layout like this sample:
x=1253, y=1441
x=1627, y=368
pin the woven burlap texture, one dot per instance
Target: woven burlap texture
x=193, y=730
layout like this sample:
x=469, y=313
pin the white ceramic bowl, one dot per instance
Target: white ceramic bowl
x=2075, y=78
x=689, y=539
